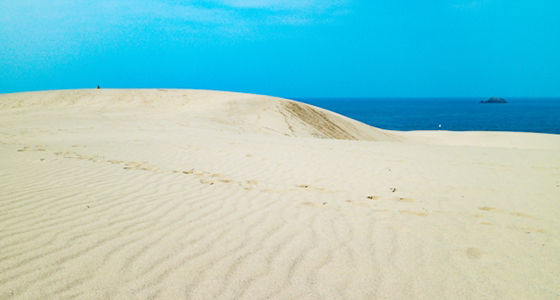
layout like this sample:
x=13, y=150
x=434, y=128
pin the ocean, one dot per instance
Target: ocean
x=457, y=114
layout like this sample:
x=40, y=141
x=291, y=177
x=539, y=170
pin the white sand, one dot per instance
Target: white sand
x=125, y=194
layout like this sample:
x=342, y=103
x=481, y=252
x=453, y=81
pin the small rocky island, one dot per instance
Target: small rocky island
x=494, y=100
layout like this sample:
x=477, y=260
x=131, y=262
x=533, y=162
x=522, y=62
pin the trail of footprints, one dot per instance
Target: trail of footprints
x=368, y=203
x=215, y=179
x=205, y=177
x=527, y=230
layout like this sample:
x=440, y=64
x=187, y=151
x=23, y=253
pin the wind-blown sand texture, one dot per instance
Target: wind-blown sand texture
x=170, y=194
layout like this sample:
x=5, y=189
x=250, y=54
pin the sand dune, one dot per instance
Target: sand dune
x=242, y=112
x=125, y=194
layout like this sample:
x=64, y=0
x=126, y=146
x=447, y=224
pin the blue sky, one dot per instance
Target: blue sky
x=305, y=48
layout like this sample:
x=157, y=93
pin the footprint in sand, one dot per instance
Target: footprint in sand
x=399, y=199
x=520, y=214
x=26, y=148
x=138, y=166
x=311, y=204
x=529, y=230
x=195, y=172
x=318, y=189
x=513, y=213
x=487, y=223
x=249, y=184
x=474, y=253
x=471, y=253
x=414, y=213
x=207, y=181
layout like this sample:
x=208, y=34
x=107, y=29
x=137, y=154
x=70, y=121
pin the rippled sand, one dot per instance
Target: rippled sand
x=208, y=195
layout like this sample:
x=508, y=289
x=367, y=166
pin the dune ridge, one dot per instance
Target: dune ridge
x=264, y=113
x=125, y=194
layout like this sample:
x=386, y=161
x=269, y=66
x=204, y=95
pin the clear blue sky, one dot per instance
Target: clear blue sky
x=290, y=48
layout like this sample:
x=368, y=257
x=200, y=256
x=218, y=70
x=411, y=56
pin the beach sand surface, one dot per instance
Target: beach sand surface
x=189, y=194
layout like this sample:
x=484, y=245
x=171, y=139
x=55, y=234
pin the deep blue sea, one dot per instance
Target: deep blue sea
x=457, y=114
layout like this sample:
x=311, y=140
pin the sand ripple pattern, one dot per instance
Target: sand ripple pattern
x=83, y=227
x=137, y=196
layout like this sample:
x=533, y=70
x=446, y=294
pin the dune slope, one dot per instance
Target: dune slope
x=247, y=112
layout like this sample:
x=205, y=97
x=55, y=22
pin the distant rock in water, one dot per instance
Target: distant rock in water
x=494, y=100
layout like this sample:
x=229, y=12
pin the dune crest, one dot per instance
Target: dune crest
x=248, y=112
